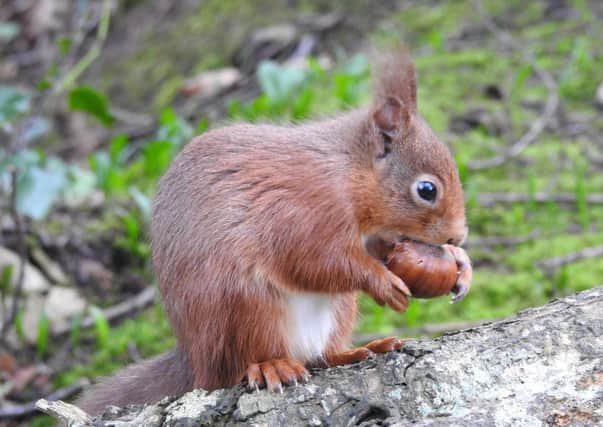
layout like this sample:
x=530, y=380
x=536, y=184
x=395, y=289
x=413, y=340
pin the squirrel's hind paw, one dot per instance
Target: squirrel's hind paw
x=359, y=354
x=272, y=374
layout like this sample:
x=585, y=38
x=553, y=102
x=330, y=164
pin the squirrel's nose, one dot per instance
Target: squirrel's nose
x=459, y=239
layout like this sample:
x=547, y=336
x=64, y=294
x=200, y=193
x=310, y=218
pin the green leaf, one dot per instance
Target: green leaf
x=116, y=148
x=35, y=127
x=88, y=100
x=202, y=126
x=13, y=102
x=43, y=334
x=173, y=128
x=19, y=322
x=157, y=156
x=21, y=160
x=101, y=326
x=142, y=201
x=38, y=189
x=132, y=227
x=279, y=82
x=76, y=330
x=64, y=44
x=303, y=104
x=358, y=66
x=8, y=31
x=82, y=183
x=5, y=276
x=100, y=163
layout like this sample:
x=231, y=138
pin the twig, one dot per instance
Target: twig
x=133, y=352
x=71, y=415
x=492, y=199
x=560, y=261
x=131, y=118
x=129, y=306
x=549, y=109
x=101, y=35
x=21, y=250
x=427, y=329
x=18, y=411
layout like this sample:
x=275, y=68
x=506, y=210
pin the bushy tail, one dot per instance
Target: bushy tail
x=146, y=382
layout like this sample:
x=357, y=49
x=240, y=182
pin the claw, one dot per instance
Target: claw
x=252, y=385
x=464, y=274
x=462, y=265
x=459, y=291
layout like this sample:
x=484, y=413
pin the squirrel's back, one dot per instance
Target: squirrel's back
x=233, y=189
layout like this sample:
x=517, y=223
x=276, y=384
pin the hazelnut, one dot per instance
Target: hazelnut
x=428, y=271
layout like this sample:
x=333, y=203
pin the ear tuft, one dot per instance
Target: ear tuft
x=395, y=78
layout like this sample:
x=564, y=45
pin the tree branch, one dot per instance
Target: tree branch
x=542, y=366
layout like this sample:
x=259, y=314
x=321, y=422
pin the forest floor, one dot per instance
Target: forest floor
x=511, y=88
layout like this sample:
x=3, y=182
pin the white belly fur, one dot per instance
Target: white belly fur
x=311, y=321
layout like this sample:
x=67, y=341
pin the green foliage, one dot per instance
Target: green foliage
x=64, y=44
x=42, y=181
x=43, y=421
x=19, y=328
x=350, y=81
x=108, y=166
x=279, y=83
x=577, y=78
x=8, y=31
x=101, y=327
x=291, y=93
x=173, y=129
x=43, y=334
x=150, y=332
x=5, y=278
x=13, y=103
x=132, y=241
x=143, y=203
x=91, y=101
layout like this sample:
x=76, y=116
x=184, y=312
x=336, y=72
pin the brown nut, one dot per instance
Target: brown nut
x=428, y=271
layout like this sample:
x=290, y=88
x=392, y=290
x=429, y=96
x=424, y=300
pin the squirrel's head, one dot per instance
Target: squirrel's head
x=414, y=181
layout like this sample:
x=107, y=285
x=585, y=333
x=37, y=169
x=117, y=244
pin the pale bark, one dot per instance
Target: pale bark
x=541, y=367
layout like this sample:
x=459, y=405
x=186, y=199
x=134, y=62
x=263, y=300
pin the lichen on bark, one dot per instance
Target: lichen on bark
x=543, y=366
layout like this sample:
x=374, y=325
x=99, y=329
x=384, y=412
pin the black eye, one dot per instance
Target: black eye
x=427, y=190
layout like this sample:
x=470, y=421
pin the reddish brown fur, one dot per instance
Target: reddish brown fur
x=248, y=214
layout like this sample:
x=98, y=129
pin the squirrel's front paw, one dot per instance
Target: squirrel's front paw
x=390, y=290
x=465, y=272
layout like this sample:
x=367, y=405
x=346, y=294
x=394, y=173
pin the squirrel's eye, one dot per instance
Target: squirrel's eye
x=427, y=190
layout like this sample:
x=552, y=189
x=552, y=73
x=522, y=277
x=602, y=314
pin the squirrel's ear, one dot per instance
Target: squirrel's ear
x=391, y=116
x=395, y=91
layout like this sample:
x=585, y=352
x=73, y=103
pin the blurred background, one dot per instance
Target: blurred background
x=98, y=96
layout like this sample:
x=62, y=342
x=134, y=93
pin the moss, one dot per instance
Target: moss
x=150, y=333
x=201, y=37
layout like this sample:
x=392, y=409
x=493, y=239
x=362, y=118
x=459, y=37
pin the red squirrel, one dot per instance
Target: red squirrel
x=259, y=238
